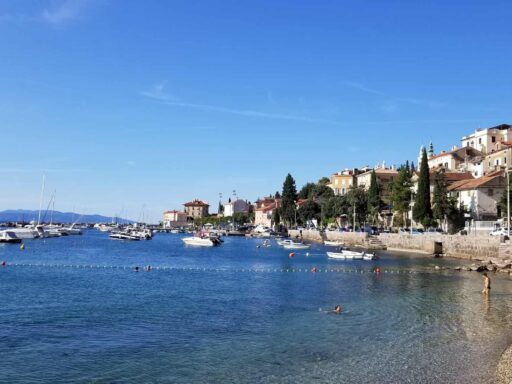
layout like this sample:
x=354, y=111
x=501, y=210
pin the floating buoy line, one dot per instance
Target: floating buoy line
x=148, y=268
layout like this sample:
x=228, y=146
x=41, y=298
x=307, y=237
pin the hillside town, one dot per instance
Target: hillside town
x=466, y=190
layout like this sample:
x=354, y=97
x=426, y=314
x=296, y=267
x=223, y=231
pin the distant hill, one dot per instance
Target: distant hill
x=19, y=215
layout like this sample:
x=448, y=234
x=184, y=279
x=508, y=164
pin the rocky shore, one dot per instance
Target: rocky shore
x=504, y=370
x=492, y=265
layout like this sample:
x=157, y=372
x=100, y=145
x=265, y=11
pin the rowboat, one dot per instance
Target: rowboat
x=296, y=246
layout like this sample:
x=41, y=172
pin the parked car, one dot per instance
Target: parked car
x=499, y=232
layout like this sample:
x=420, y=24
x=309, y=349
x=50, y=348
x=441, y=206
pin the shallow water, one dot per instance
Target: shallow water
x=64, y=324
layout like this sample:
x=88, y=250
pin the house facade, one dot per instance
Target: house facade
x=385, y=179
x=196, y=209
x=237, y=206
x=264, y=210
x=481, y=196
x=483, y=140
x=174, y=219
x=342, y=181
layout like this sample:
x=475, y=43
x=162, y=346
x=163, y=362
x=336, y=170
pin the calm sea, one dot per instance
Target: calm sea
x=233, y=324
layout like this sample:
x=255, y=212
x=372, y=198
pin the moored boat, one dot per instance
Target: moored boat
x=346, y=254
x=335, y=243
x=9, y=237
x=199, y=241
x=296, y=246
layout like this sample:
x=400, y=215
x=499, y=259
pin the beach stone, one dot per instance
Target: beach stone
x=467, y=269
x=491, y=267
x=503, y=266
x=437, y=267
x=458, y=268
x=481, y=268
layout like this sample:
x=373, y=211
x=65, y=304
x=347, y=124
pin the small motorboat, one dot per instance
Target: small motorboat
x=346, y=254
x=336, y=243
x=203, y=240
x=9, y=237
x=124, y=236
x=296, y=246
x=284, y=242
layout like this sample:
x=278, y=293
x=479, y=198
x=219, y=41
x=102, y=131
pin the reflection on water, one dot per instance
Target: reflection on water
x=103, y=325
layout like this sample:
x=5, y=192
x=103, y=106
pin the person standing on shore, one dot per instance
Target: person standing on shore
x=487, y=284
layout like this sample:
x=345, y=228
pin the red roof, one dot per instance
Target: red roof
x=175, y=211
x=464, y=185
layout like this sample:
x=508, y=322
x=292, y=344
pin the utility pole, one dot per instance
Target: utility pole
x=508, y=203
x=354, y=218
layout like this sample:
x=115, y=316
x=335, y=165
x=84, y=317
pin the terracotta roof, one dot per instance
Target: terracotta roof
x=196, y=203
x=464, y=185
x=175, y=211
x=457, y=153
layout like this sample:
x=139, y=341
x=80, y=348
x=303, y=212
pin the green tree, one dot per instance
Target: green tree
x=374, y=200
x=307, y=191
x=422, y=210
x=357, y=198
x=308, y=211
x=322, y=191
x=276, y=217
x=289, y=198
x=221, y=208
x=401, y=196
x=504, y=201
x=324, y=181
x=442, y=205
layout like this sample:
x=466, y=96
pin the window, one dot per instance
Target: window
x=490, y=192
x=493, y=139
x=497, y=161
x=504, y=160
x=480, y=140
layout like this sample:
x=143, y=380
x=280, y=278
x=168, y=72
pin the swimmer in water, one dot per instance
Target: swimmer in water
x=337, y=309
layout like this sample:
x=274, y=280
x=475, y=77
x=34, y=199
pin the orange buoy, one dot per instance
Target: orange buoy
x=377, y=270
x=314, y=270
x=291, y=255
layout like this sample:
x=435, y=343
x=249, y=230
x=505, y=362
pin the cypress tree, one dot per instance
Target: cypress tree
x=441, y=204
x=422, y=211
x=289, y=197
x=374, y=201
x=401, y=196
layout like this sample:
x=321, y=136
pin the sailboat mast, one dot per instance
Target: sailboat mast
x=41, y=201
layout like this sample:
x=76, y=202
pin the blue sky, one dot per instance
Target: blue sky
x=129, y=105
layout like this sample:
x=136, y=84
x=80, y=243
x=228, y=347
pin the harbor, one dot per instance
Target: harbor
x=206, y=312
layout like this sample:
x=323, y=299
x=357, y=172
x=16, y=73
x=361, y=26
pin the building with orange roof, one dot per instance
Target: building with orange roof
x=481, y=196
x=196, y=209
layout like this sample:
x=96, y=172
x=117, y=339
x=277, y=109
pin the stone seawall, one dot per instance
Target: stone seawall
x=349, y=238
x=464, y=247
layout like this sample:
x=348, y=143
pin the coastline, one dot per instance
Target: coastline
x=504, y=368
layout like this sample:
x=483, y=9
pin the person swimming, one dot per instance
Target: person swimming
x=338, y=309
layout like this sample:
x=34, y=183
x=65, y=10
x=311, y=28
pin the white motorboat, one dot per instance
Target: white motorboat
x=25, y=233
x=175, y=231
x=297, y=246
x=333, y=243
x=336, y=255
x=124, y=236
x=198, y=241
x=369, y=256
x=284, y=242
x=9, y=237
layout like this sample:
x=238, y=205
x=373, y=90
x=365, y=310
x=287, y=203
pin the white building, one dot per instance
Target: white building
x=174, y=219
x=481, y=196
x=484, y=140
x=236, y=206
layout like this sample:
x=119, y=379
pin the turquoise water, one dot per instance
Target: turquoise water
x=231, y=324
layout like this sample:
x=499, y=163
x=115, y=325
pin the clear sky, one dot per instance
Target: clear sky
x=126, y=105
